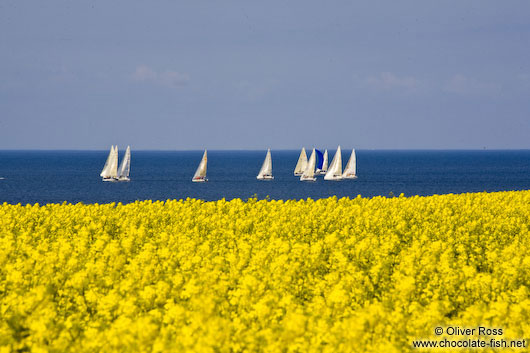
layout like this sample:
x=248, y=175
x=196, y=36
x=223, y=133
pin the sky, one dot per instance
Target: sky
x=186, y=75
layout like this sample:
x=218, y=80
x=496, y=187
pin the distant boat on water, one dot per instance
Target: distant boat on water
x=322, y=162
x=306, y=168
x=125, y=167
x=335, y=169
x=309, y=172
x=325, y=163
x=110, y=170
x=200, y=173
x=350, y=172
x=265, y=172
x=301, y=164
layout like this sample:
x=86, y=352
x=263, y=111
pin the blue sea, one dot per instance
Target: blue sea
x=73, y=176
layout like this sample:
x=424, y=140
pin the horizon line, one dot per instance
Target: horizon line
x=259, y=149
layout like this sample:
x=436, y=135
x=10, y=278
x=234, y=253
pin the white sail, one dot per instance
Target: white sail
x=325, y=162
x=350, y=172
x=113, y=165
x=200, y=173
x=335, y=169
x=105, y=172
x=110, y=170
x=301, y=164
x=265, y=172
x=125, y=167
x=309, y=172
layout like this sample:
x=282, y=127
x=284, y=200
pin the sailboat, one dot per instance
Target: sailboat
x=110, y=170
x=335, y=169
x=200, y=173
x=301, y=164
x=324, y=168
x=265, y=172
x=309, y=172
x=125, y=167
x=350, y=172
x=322, y=163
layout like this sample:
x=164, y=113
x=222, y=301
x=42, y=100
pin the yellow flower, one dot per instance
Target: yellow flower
x=329, y=275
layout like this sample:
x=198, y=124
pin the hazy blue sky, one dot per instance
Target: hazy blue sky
x=251, y=75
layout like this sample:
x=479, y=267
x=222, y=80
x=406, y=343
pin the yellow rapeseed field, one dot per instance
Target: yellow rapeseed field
x=329, y=275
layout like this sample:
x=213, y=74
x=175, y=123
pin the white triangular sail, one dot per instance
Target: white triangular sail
x=325, y=162
x=113, y=169
x=301, y=164
x=200, y=173
x=309, y=172
x=110, y=170
x=335, y=169
x=266, y=169
x=125, y=167
x=105, y=172
x=350, y=172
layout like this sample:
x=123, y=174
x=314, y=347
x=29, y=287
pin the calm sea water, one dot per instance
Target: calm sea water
x=73, y=176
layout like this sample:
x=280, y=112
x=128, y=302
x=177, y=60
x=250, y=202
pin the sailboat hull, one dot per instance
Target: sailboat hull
x=308, y=179
x=199, y=180
x=349, y=177
x=116, y=179
x=265, y=177
x=337, y=178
